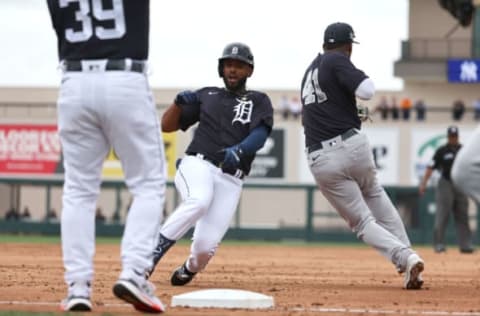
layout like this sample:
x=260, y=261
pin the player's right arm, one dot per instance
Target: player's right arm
x=171, y=118
x=182, y=113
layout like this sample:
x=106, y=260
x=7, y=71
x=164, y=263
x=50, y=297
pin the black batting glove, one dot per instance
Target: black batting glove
x=232, y=157
x=186, y=97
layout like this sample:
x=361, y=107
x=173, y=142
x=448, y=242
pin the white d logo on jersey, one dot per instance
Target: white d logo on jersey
x=243, y=111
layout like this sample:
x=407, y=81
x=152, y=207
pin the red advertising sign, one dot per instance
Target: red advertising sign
x=29, y=149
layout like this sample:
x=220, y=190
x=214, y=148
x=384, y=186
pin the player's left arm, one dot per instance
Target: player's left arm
x=262, y=126
x=247, y=147
x=365, y=90
x=357, y=82
x=255, y=140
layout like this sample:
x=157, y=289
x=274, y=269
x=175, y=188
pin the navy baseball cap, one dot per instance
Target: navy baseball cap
x=452, y=131
x=339, y=33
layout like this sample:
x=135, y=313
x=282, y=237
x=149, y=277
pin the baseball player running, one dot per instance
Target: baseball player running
x=233, y=124
x=105, y=101
x=340, y=157
x=466, y=167
x=448, y=198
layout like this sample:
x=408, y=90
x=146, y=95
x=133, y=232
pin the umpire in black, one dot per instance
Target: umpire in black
x=448, y=198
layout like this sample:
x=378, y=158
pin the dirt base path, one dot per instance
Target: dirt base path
x=304, y=280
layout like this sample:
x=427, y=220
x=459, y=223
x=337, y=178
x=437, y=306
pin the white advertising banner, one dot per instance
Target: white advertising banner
x=384, y=143
x=424, y=143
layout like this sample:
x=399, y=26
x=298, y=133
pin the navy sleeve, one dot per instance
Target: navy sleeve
x=255, y=140
x=262, y=113
x=190, y=114
x=347, y=74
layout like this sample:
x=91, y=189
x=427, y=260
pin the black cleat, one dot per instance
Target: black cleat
x=466, y=250
x=182, y=276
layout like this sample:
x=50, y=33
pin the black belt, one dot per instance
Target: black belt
x=351, y=132
x=112, y=64
x=237, y=173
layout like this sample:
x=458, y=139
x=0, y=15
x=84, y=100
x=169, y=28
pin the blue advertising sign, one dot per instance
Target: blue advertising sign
x=463, y=70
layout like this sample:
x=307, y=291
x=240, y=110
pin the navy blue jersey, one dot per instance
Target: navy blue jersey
x=225, y=120
x=100, y=29
x=443, y=159
x=328, y=97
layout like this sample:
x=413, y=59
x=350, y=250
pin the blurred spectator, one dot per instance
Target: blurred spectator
x=406, y=107
x=284, y=107
x=295, y=107
x=51, y=215
x=394, y=109
x=116, y=217
x=476, y=109
x=458, y=109
x=26, y=213
x=99, y=217
x=12, y=214
x=421, y=109
x=382, y=107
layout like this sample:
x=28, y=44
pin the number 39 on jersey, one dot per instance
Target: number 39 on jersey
x=88, y=29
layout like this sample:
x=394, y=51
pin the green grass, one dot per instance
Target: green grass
x=40, y=239
x=48, y=239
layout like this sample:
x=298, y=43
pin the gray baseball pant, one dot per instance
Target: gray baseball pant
x=449, y=200
x=345, y=174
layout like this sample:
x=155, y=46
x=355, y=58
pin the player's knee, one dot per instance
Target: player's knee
x=82, y=190
x=148, y=189
x=199, y=205
x=358, y=225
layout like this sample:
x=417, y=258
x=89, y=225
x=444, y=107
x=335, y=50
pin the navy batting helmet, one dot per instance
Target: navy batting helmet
x=237, y=51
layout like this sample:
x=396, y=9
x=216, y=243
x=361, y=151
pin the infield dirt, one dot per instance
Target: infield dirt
x=304, y=280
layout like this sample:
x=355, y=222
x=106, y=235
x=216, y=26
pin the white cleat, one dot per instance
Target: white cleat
x=142, y=297
x=413, y=278
x=78, y=298
x=76, y=304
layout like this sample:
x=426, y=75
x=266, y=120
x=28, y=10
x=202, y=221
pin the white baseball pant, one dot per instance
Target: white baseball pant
x=209, y=201
x=97, y=111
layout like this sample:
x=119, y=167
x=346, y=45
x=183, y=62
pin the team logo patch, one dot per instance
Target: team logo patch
x=243, y=111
